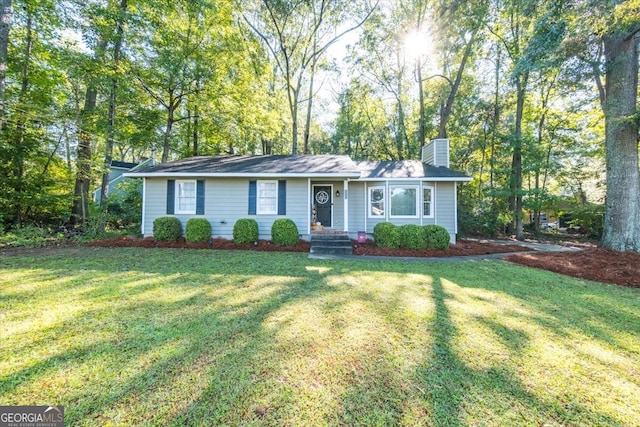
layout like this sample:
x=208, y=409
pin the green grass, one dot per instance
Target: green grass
x=196, y=337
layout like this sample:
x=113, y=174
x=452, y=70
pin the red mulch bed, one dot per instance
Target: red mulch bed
x=600, y=265
x=461, y=248
x=149, y=242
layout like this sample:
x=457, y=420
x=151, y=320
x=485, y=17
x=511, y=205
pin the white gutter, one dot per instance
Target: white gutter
x=235, y=175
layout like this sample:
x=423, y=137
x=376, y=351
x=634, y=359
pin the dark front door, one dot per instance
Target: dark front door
x=322, y=204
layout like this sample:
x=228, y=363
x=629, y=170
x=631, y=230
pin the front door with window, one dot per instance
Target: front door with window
x=322, y=204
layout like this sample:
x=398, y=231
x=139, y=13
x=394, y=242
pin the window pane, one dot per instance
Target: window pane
x=376, y=196
x=267, y=197
x=186, y=196
x=426, y=197
x=403, y=201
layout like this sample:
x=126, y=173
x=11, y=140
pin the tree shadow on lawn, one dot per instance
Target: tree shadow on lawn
x=456, y=389
x=151, y=359
x=199, y=358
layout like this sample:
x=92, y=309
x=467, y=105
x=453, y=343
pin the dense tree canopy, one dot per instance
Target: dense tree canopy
x=538, y=97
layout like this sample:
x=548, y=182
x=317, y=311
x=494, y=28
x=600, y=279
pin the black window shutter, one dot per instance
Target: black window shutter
x=282, y=197
x=171, y=196
x=200, y=197
x=252, y=197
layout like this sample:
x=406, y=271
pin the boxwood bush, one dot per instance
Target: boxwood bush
x=197, y=230
x=245, y=230
x=167, y=228
x=284, y=232
x=386, y=235
x=412, y=237
x=436, y=236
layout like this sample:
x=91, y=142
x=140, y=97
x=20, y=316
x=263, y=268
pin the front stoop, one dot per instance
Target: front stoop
x=331, y=244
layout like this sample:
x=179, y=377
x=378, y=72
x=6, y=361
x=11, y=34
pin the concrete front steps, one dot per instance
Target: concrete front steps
x=331, y=244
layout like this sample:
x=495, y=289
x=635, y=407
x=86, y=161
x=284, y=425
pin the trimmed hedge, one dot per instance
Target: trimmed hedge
x=245, y=230
x=412, y=237
x=436, y=236
x=284, y=232
x=386, y=235
x=197, y=230
x=167, y=228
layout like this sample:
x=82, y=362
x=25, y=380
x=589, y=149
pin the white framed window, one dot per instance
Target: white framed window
x=403, y=201
x=427, y=201
x=376, y=202
x=267, y=198
x=186, y=196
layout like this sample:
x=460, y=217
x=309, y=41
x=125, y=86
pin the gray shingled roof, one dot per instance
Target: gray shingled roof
x=328, y=164
x=406, y=169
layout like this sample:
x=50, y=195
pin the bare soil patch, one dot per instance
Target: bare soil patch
x=600, y=265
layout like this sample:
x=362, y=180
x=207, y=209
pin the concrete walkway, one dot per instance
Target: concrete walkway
x=535, y=247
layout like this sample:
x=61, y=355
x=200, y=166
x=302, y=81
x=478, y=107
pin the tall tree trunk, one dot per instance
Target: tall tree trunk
x=80, y=208
x=622, y=211
x=18, y=139
x=111, y=123
x=447, y=107
x=5, y=25
x=422, y=137
x=173, y=105
x=196, y=122
x=496, y=119
x=515, y=198
x=307, y=125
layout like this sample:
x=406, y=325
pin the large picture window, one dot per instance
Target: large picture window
x=376, y=202
x=427, y=202
x=267, y=200
x=186, y=196
x=404, y=201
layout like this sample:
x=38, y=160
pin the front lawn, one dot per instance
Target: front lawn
x=129, y=336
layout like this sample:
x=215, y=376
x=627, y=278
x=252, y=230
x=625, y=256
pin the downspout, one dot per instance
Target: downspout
x=144, y=202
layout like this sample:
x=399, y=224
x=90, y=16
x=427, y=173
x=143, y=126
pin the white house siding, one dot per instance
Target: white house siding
x=226, y=201
x=441, y=152
x=445, y=206
x=155, y=202
x=444, y=201
x=357, y=207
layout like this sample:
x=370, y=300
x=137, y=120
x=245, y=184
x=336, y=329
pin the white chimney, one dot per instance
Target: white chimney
x=436, y=152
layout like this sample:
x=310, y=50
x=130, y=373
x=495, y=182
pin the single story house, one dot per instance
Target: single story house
x=332, y=190
x=116, y=175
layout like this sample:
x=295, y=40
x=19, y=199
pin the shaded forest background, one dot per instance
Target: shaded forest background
x=522, y=88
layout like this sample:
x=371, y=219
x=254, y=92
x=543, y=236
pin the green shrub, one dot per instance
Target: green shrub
x=386, y=235
x=412, y=237
x=167, y=228
x=436, y=236
x=284, y=232
x=590, y=219
x=197, y=230
x=26, y=236
x=245, y=230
